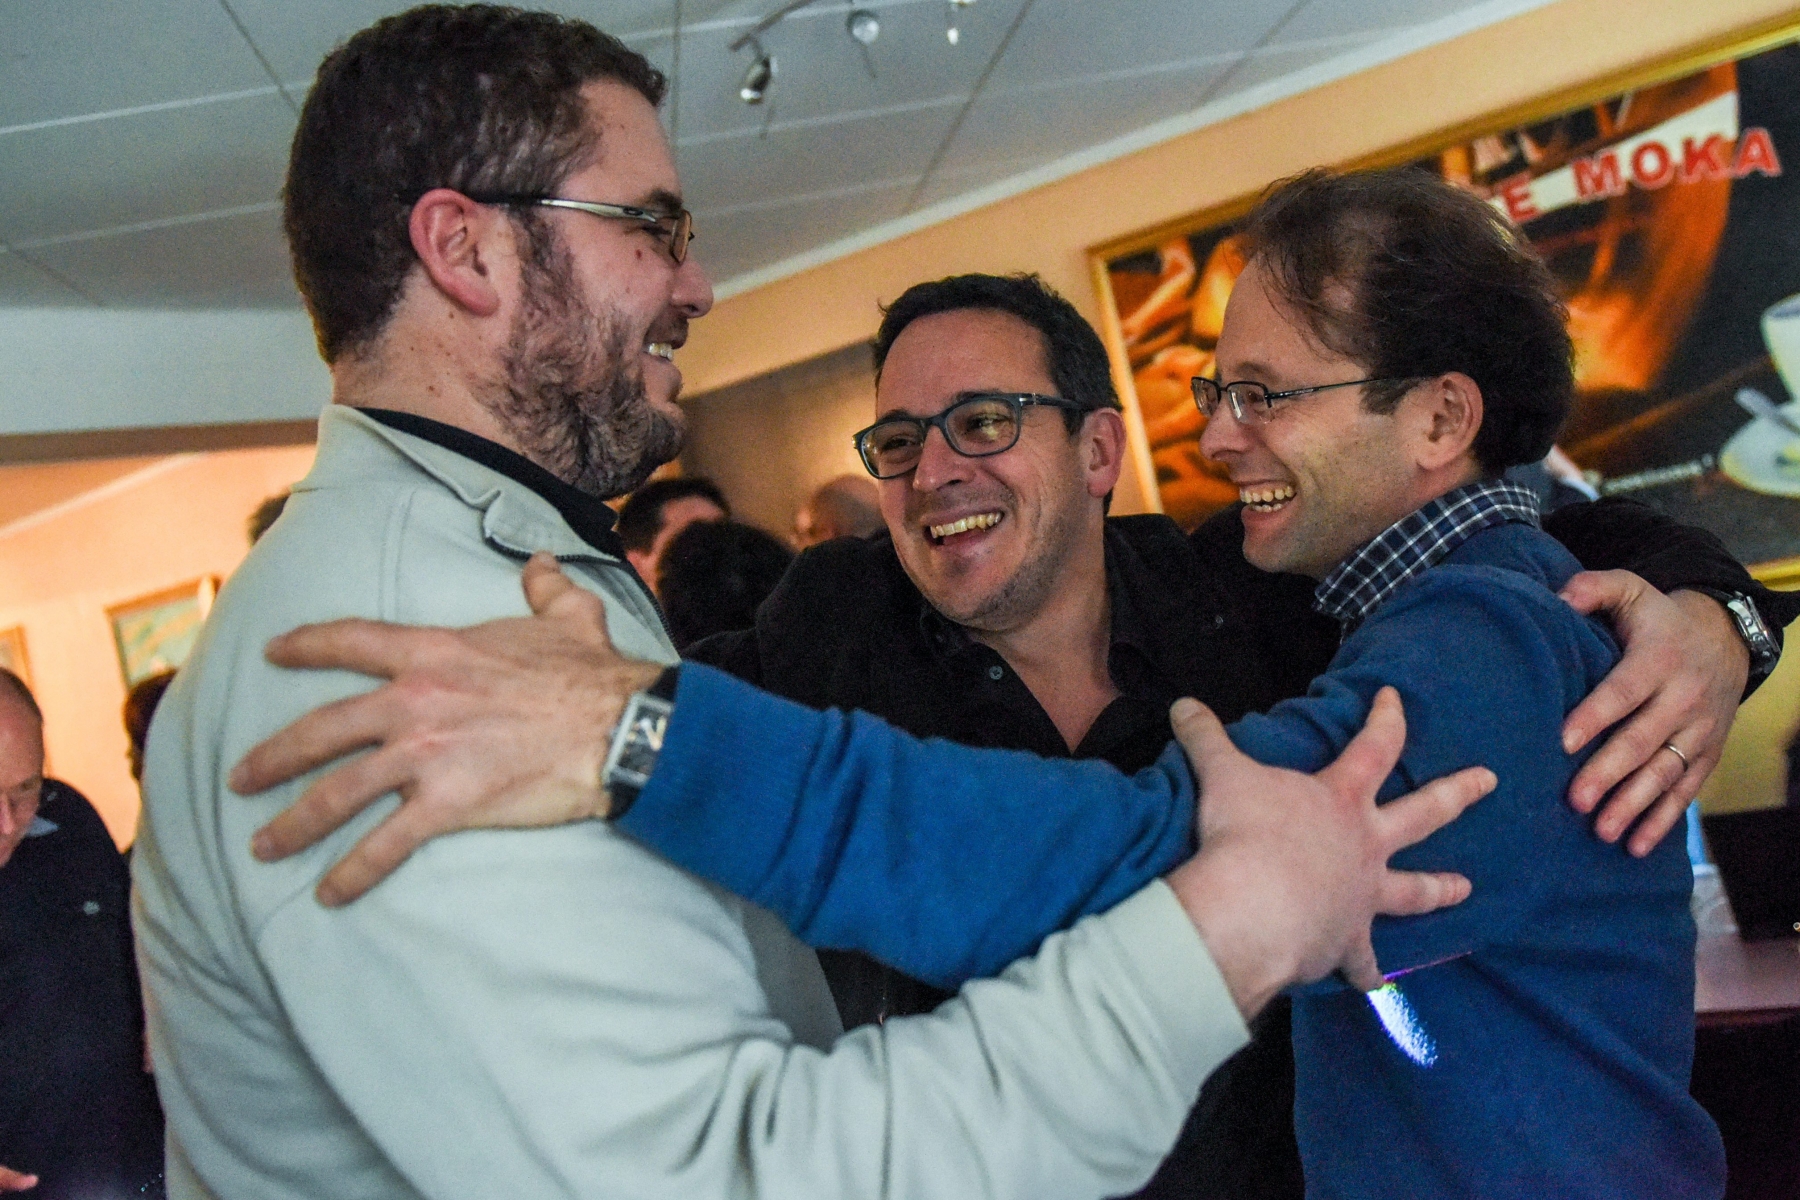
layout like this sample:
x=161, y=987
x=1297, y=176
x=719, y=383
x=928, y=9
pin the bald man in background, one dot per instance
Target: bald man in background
x=78, y=1111
x=848, y=506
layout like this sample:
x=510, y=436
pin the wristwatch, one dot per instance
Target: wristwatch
x=637, y=740
x=1765, y=652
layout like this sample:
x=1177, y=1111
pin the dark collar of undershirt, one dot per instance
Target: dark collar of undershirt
x=590, y=518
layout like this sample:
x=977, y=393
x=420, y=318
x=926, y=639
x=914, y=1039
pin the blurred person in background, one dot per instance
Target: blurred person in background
x=848, y=506
x=713, y=576
x=140, y=707
x=78, y=1111
x=659, y=510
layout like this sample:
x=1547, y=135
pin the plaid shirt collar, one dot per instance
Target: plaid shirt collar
x=1415, y=543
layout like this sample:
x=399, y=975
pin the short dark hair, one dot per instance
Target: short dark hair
x=714, y=575
x=481, y=98
x=140, y=707
x=640, y=517
x=10, y=682
x=1438, y=281
x=265, y=516
x=1077, y=359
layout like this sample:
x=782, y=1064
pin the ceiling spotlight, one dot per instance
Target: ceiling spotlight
x=758, y=77
x=952, y=34
x=863, y=26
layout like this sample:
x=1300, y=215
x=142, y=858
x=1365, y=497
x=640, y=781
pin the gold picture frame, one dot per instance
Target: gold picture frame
x=1134, y=274
x=156, y=632
x=12, y=652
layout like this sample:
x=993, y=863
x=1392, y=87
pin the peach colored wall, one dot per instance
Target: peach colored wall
x=1051, y=228
x=799, y=419
x=181, y=519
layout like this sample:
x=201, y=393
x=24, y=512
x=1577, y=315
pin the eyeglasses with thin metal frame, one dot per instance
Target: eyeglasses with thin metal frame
x=677, y=226
x=975, y=425
x=1253, y=402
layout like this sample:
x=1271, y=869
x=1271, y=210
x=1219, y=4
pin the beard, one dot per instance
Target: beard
x=572, y=393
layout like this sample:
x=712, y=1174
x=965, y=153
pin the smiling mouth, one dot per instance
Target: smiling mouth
x=662, y=350
x=1266, y=497
x=967, y=524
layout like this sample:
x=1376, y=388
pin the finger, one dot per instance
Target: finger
x=1409, y=893
x=1201, y=735
x=1358, y=967
x=1635, y=796
x=1415, y=817
x=1372, y=753
x=379, y=854
x=545, y=582
x=353, y=644
x=1590, y=591
x=1631, y=748
x=329, y=803
x=1667, y=812
x=1616, y=697
x=16, y=1181
x=321, y=736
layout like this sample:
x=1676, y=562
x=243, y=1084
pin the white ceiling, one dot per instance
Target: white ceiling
x=142, y=142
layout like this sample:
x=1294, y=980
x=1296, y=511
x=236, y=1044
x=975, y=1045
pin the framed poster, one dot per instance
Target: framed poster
x=1667, y=203
x=12, y=652
x=155, y=633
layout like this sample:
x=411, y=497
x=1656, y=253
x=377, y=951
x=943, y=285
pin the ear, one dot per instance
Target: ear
x=1102, y=449
x=1444, y=415
x=457, y=241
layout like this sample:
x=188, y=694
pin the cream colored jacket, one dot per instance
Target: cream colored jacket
x=558, y=1012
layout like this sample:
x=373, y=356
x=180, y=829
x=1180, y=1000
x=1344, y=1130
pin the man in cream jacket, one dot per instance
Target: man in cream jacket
x=487, y=227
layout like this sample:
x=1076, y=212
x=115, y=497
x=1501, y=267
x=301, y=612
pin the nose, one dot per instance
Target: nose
x=693, y=295
x=1224, y=434
x=939, y=464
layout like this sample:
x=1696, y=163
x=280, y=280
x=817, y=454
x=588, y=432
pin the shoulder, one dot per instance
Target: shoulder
x=74, y=815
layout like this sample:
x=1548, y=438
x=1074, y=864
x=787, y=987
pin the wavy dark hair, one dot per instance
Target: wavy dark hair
x=477, y=98
x=1413, y=277
x=1077, y=359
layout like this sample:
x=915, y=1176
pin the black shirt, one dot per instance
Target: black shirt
x=76, y=1106
x=1189, y=616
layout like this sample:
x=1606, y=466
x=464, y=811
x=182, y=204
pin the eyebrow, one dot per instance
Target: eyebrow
x=660, y=200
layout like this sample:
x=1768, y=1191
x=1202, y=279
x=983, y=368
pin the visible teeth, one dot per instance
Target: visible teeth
x=661, y=349
x=964, y=524
x=1267, y=496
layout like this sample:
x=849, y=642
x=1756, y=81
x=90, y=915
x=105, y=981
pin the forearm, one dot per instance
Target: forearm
x=620, y=1030
x=835, y=821
x=1619, y=534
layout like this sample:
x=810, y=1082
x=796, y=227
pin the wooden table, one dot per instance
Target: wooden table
x=1738, y=982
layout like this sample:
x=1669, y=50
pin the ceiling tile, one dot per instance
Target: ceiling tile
x=947, y=184
x=798, y=162
x=1051, y=120
x=1284, y=60
x=1066, y=40
x=77, y=178
x=73, y=57
x=295, y=37
x=820, y=70
x=1333, y=18
x=231, y=262
x=24, y=286
x=746, y=240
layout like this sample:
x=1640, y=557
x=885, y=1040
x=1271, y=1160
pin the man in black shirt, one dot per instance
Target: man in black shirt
x=77, y=1109
x=1003, y=608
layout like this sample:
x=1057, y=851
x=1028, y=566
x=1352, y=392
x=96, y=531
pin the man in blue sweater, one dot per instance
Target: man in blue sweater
x=1388, y=352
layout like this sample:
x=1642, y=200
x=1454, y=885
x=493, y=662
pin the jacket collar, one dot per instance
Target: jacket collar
x=515, y=518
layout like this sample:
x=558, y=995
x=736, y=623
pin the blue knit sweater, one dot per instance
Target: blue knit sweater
x=1535, y=1040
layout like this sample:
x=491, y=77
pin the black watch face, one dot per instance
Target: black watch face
x=643, y=743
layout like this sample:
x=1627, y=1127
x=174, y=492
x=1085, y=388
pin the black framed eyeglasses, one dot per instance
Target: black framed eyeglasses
x=677, y=227
x=975, y=425
x=1253, y=402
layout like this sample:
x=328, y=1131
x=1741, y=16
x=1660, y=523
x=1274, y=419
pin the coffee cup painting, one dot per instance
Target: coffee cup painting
x=1670, y=214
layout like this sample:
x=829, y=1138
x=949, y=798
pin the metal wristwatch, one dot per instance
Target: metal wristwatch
x=1765, y=652
x=636, y=742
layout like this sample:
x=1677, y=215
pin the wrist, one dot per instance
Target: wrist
x=1738, y=623
x=635, y=736
x=1216, y=889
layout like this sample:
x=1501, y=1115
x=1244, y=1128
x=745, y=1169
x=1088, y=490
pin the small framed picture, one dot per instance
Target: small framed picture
x=12, y=652
x=155, y=633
